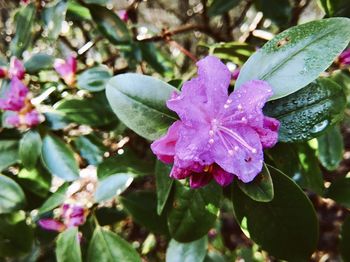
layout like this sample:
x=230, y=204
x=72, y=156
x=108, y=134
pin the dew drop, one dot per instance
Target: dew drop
x=231, y=152
x=320, y=126
x=211, y=141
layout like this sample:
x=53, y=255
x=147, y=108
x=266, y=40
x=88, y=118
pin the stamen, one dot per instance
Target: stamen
x=238, y=138
x=223, y=140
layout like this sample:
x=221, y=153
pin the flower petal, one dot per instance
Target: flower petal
x=269, y=132
x=179, y=173
x=15, y=96
x=51, y=224
x=222, y=177
x=198, y=180
x=16, y=68
x=164, y=147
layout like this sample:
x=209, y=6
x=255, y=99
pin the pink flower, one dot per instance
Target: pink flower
x=70, y=216
x=3, y=72
x=15, y=97
x=16, y=68
x=24, y=119
x=123, y=15
x=235, y=73
x=344, y=58
x=218, y=136
x=66, y=69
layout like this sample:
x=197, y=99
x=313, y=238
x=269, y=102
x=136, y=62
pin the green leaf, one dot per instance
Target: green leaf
x=308, y=112
x=59, y=158
x=112, y=186
x=16, y=237
x=279, y=226
x=53, y=17
x=36, y=180
x=218, y=7
x=142, y=206
x=139, y=102
x=68, y=246
x=261, y=188
x=93, y=111
x=110, y=25
x=235, y=52
x=187, y=252
x=54, y=200
x=281, y=12
x=107, y=246
x=76, y=11
x=11, y=195
x=90, y=149
x=335, y=7
x=99, y=2
x=24, y=22
x=297, y=56
x=30, y=148
x=331, y=148
x=94, y=79
x=193, y=212
x=339, y=191
x=164, y=184
x=345, y=240
x=8, y=153
x=38, y=62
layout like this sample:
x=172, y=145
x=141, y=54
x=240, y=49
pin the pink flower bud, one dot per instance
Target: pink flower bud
x=3, y=72
x=32, y=118
x=66, y=69
x=16, y=68
x=15, y=97
x=123, y=15
x=52, y=224
x=344, y=58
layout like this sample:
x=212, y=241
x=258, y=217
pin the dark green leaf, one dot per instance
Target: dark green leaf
x=308, y=112
x=30, y=148
x=36, y=180
x=11, y=195
x=112, y=186
x=8, y=153
x=24, y=21
x=94, y=79
x=107, y=246
x=261, y=188
x=139, y=101
x=38, y=62
x=281, y=12
x=59, y=159
x=54, y=200
x=218, y=7
x=345, y=240
x=187, y=252
x=235, y=52
x=56, y=120
x=90, y=149
x=110, y=25
x=68, y=246
x=16, y=237
x=142, y=206
x=193, y=212
x=279, y=226
x=335, y=7
x=297, y=56
x=99, y=2
x=339, y=191
x=164, y=184
x=330, y=148
x=53, y=17
x=93, y=111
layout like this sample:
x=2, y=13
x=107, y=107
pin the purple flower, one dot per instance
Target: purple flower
x=16, y=68
x=15, y=97
x=218, y=135
x=51, y=224
x=66, y=69
x=344, y=58
x=123, y=15
x=24, y=119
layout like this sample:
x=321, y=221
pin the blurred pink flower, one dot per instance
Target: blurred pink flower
x=24, y=119
x=123, y=15
x=3, y=72
x=66, y=69
x=16, y=68
x=344, y=58
x=15, y=97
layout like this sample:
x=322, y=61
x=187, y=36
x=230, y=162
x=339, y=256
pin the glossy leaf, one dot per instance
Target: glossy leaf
x=331, y=148
x=219, y=7
x=75, y=11
x=339, y=191
x=309, y=112
x=193, y=212
x=93, y=111
x=345, y=240
x=109, y=247
x=59, y=158
x=11, y=195
x=30, y=148
x=187, y=252
x=54, y=200
x=279, y=226
x=94, y=79
x=139, y=102
x=24, y=23
x=38, y=62
x=142, y=206
x=297, y=56
x=8, y=153
x=261, y=188
x=90, y=149
x=68, y=246
x=164, y=184
x=112, y=186
x=53, y=17
x=110, y=25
